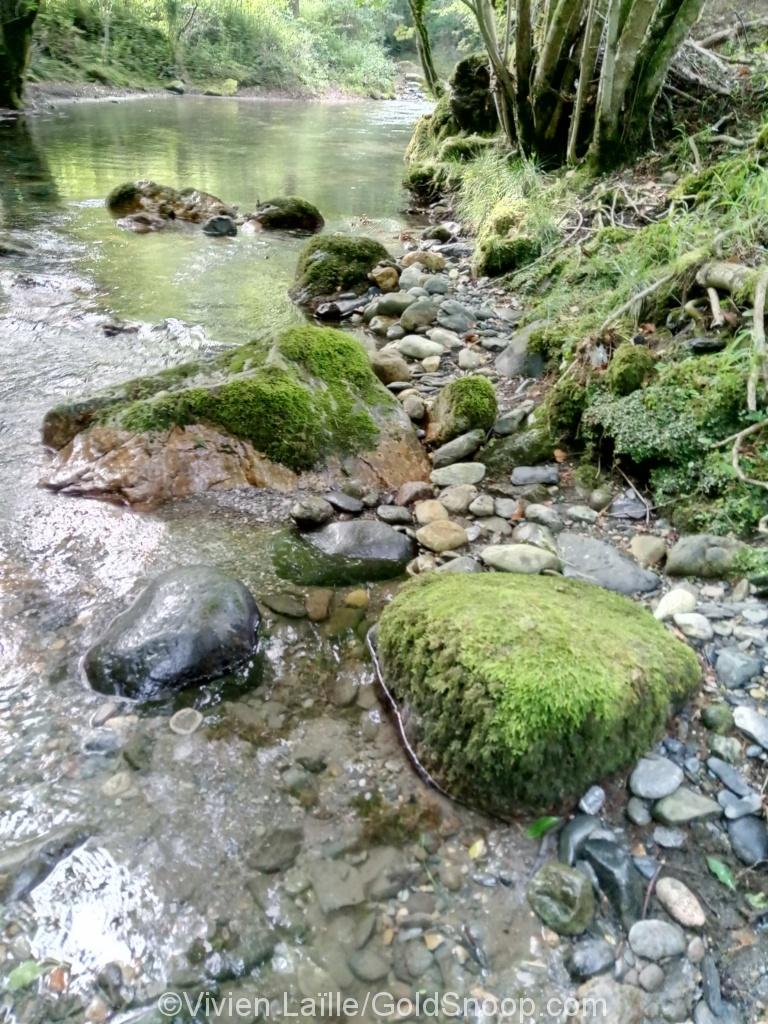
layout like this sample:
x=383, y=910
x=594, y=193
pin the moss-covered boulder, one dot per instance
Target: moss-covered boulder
x=521, y=691
x=467, y=403
x=471, y=98
x=333, y=264
x=630, y=368
x=495, y=256
x=167, y=203
x=464, y=147
x=289, y=213
x=307, y=398
x=526, y=448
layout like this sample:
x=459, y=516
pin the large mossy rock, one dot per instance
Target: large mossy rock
x=167, y=203
x=333, y=264
x=522, y=691
x=288, y=213
x=187, y=626
x=471, y=98
x=526, y=448
x=464, y=404
x=362, y=550
x=257, y=414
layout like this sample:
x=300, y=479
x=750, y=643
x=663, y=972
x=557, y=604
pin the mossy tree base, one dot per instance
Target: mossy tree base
x=523, y=691
x=16, y=22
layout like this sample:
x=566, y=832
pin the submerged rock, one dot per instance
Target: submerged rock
x=562, y=898
x=479, y=662
x=255, y=415
x=165, y=202
x=187, y=626
x=343, y=553
x=288, y=213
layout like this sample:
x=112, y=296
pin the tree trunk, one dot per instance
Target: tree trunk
x=16, y=21
x=296, y=8
x=424, y=46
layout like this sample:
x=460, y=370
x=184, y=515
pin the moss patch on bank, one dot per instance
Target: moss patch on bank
x=310, y=395
x=524, y=691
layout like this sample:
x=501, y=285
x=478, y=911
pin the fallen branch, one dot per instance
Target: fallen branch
x=736, y=453
x=627, y=306
x=760, y=352
x=724, y=34
x=718, y=320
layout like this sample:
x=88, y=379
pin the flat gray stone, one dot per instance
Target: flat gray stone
x=656, y=940
x=458, y=449
x=684, y=806
x=752, y=724
x=596, y=561
x=749, y=839
x=735, y=668
x=524, y=476
x=520, y=558
x=458, y=473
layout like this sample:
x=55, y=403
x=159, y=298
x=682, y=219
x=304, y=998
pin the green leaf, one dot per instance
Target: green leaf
x=541, y=826
x=757, y=900
x=722, y=872
x=23, y=975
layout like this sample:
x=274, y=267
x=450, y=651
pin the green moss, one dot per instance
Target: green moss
x=524, y=448
x=312, y=397
x=564, y=406
x=464, y=404
x=495, y=256
x=388, y=824
x=523, y=691
x=289, y=213
x=124, y=199
x=464, y=147
x=336, y=263
x=630, y=367
x=426, y=180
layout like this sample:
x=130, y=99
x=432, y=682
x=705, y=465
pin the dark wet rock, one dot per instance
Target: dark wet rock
x=342, y=553
x=703, y=555
x=618, y=877
x=749, y=839
x=187, y=626
x=735, y=668
x=706, y=345
x=729, y=776
x=288, y=213
x=655, y=777
x=710, y=985
x=596, y=561
x=628, y=505
x=220, y=227
x=344, y=502
x=574, y=835
x=277, y=851
x=311, y=511
x=562, y=898
x=683, y=806
x=523, y=476
x=588, y=958
x=656, y=940
x=394, y=515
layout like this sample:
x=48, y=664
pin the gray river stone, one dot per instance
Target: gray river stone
x=656, y=940
x=702, y=554
x=187, y=626
x=277, y=850
x=457, y=449
x=595, y=561
x=574, y=835
x=588, y=958
x=729, y=776
x=356, y=551
x=618, y=877
x=749, y=839
x=655, y=777
x=753, y=724
x=735, y=668
x=685, y=805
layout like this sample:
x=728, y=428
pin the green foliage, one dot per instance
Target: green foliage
x=525, y=690
x=334, y=263
x=258, y=43
x=311, y=396
x=464, y=147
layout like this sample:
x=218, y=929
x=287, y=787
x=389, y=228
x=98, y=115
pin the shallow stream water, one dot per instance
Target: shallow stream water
x=138, y=876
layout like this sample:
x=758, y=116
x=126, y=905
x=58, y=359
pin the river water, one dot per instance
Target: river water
x=126, y=851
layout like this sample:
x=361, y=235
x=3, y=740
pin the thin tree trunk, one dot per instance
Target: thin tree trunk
x=424, y=46
x=523, y=72
x=589, y=54
x=501, y=79
x=16, y=22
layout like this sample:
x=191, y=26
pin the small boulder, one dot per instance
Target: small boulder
x=464, y=405
x=343, y=553
x=220, y=227
x=187, y=626
x=330, y=264
x=703, y=555
x=289, y=213
x=656, y=940
x=562, y=897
